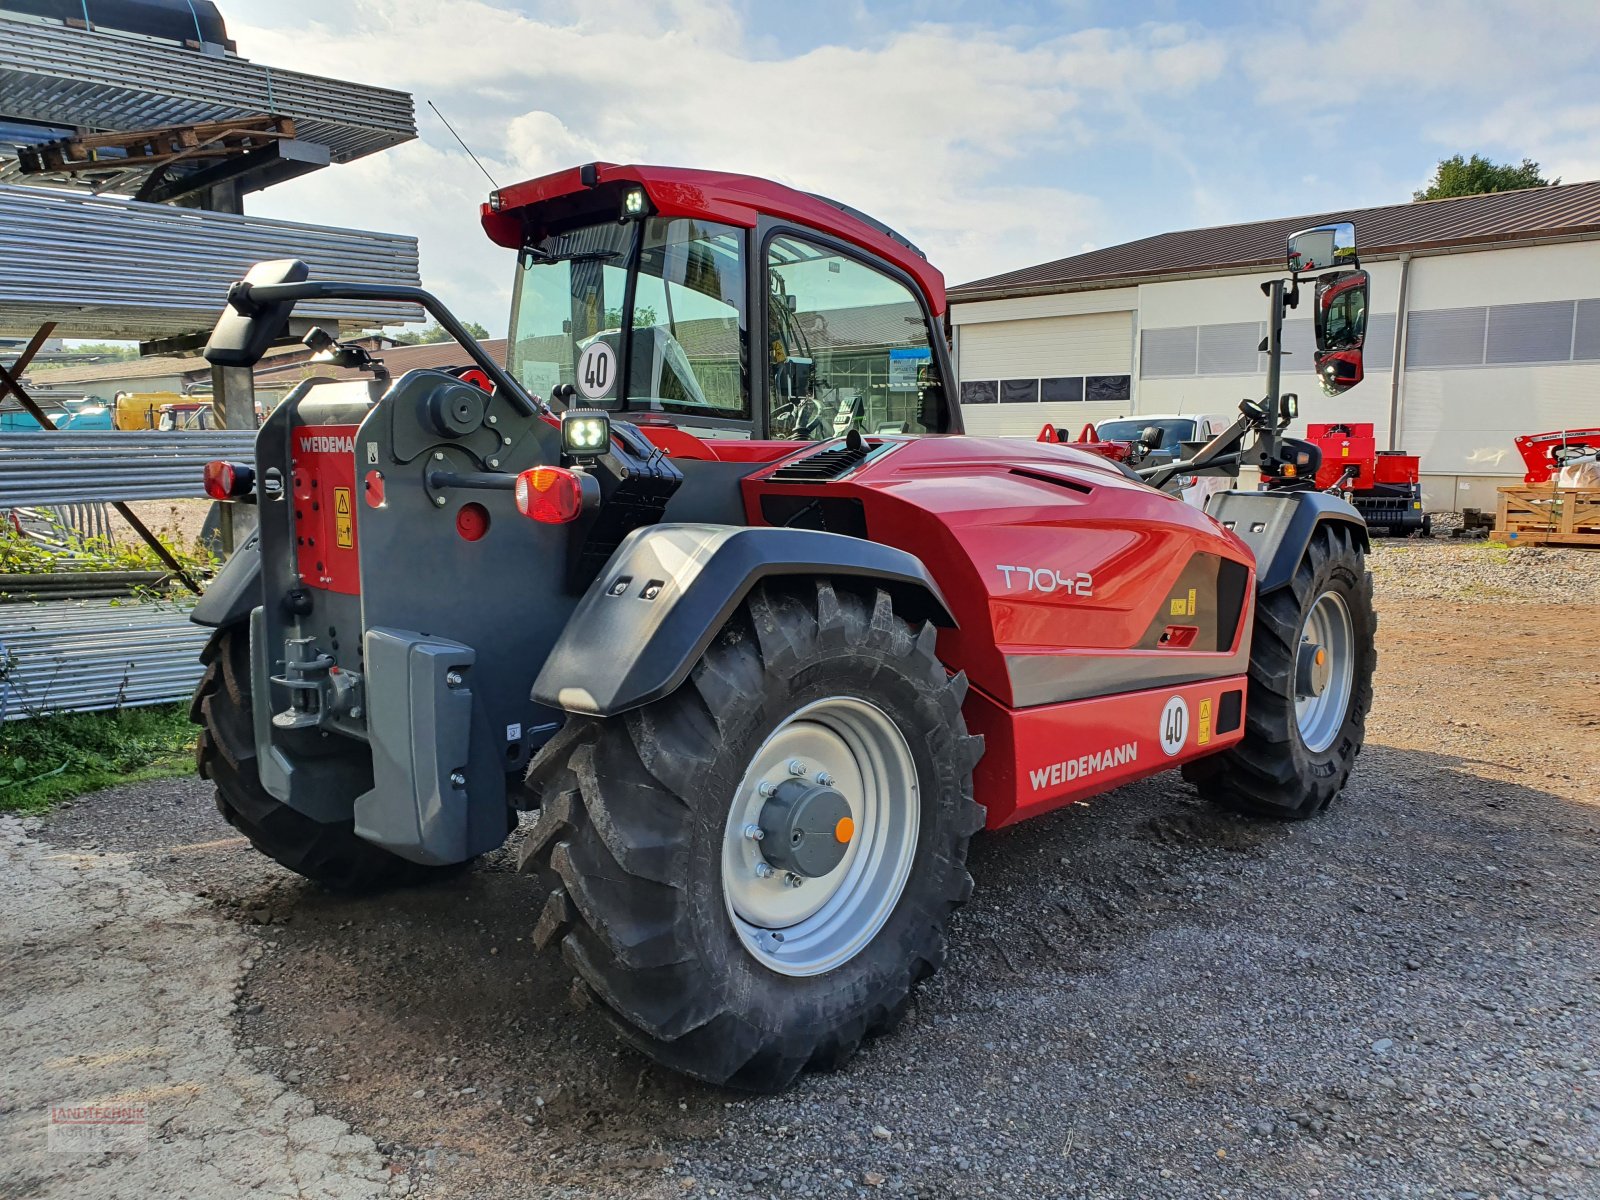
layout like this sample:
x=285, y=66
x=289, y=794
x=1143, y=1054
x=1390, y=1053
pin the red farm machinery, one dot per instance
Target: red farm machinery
x=706, y=587
x=1384, y=485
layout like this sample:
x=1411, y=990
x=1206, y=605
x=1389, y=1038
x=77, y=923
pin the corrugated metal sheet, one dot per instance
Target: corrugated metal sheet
x=107, y=81
x=47, y=469
x=1565, y=209
x=94, y=655
x=102, y=266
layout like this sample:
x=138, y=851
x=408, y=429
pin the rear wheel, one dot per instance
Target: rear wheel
x=1310, y=688
x=752, y=873
x=330, y=854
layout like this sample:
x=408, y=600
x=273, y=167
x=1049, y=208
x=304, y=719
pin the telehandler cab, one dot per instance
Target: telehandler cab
x=708, y=580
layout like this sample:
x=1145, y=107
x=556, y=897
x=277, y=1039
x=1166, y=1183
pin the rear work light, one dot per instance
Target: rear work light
x=228, y=480
x=553, y=495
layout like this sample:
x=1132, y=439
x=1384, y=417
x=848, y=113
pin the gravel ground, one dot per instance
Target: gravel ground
x=1145, y=998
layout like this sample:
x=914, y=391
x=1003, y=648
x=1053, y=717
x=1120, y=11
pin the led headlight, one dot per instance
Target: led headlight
x=585, y=433
x=635, y=204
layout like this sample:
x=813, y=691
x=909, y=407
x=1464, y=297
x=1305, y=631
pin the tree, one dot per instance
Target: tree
x=435, y=333
x=644, y=315
x=1457, y=176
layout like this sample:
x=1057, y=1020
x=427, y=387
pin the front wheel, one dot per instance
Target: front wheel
x=1310, y=688
x=751, y=874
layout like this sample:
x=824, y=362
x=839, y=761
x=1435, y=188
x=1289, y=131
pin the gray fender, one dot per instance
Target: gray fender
x=668, y=589
x=235, y=590
x=1278, y=526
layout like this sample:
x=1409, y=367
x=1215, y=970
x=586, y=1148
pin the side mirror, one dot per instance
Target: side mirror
x=242, y=337
x=1152, y=436
x=1341, y=325
x=1323, y=248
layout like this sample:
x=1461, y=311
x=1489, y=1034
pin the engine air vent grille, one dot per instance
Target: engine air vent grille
x=827, y=464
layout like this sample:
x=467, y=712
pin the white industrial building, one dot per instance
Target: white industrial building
x=1492, y=303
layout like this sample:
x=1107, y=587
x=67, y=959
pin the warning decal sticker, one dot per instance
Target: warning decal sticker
x=344, y=530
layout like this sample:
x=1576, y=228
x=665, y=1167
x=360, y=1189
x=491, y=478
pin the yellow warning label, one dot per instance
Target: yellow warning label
x=1344, y=450
x=344, y=530
x=1203, y=733
x=1191, y=601
x=1181, y=607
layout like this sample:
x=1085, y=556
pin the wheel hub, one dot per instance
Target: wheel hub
x=1324, y=671
x=1313, y=669
x=820, y=836
x=806, y=828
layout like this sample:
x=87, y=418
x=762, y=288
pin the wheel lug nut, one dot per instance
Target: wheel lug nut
x=824, y=779
x=767, y=790
x=754, y=832
x=764, y=870
x=793, y=880
x=796, y=767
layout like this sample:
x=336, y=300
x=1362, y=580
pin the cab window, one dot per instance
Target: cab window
x=687, y=321
x=847, y=348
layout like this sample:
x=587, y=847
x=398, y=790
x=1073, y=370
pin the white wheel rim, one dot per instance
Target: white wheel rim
x=1321, y=716
x=828, y=920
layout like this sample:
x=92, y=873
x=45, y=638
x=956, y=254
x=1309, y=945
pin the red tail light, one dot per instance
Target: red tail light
x=553, y=495
x=228, y=480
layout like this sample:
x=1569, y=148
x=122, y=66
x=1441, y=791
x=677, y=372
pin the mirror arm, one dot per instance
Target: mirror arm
x=241, y=294
x=1221, y=450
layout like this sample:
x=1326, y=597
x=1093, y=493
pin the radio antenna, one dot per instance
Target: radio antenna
x=464, y=145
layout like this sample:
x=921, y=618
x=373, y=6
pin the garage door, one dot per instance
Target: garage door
x=1017, y=375
x=1048, y=347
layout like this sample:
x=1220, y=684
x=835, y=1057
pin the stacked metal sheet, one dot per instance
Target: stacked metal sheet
x=110, y=81
x=101, y=266
x=95, y=655
x=50, y=469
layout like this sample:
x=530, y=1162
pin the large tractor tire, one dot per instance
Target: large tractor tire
x=1305, y=716
x=330, y=854
x=751, y=874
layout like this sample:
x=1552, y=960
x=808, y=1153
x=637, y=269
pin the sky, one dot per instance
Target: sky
x=995, y=135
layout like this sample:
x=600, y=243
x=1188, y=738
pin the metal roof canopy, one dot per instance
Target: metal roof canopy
x=101, y=80
x=1459, y=222
x=105, y=267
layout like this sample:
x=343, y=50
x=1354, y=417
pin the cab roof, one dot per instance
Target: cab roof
x=714, y=196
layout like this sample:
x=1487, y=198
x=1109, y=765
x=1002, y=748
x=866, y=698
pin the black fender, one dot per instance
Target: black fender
x=236, y=589
x=668, y=590
x=1277, y=526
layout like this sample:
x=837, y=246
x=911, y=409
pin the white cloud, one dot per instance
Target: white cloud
x=936, y=129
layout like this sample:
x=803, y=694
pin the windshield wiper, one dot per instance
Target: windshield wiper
x=544, y=257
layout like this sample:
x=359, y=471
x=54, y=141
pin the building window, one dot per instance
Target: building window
x=1586, y=334
x=1108, y=388
x=1062, y=390
x=1167, y=353
x=983, y=391
x=1445, y=337
x=1227, y=349
x=1530, y=333
x=1019, y=391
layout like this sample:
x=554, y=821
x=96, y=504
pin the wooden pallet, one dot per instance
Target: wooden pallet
x=1548, y=516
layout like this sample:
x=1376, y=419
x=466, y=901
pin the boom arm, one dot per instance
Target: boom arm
x=248, y=299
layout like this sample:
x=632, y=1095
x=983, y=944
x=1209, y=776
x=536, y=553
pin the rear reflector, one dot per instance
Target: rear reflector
x=228, y=480
x=553, y=495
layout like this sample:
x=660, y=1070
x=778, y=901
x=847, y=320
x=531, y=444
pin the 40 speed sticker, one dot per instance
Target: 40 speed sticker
x=1174, y=725
x=597, y=370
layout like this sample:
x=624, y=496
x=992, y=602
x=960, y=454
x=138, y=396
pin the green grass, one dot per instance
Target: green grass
x=44, y=760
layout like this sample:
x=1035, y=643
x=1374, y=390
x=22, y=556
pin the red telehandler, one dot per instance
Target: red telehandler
x=708, y=580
